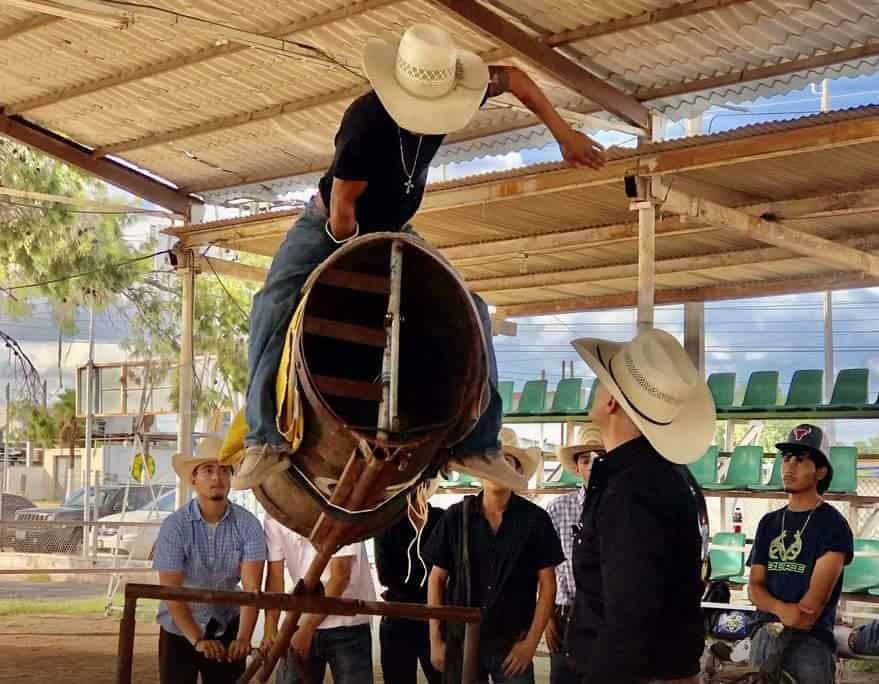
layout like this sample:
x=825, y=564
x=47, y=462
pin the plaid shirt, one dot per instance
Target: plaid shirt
x=565, y=512
x=210, y=558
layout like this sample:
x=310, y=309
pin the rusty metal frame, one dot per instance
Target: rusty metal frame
x=296, y=603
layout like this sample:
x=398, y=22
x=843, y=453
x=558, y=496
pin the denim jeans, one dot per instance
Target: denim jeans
x=491, y=669
x=304, y=248
x=347, y=651
x=812, y=661
x=561, y=671
x=405, y=643
x=867, y=639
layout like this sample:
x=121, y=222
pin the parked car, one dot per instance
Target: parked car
x=11, y=504
x=68, y=539
x=136, y=542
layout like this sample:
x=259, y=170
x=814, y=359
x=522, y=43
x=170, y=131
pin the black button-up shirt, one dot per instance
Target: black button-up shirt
x=637, y=566
x=503, y=565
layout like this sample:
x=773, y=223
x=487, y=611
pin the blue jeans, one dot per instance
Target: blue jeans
x=491, y=669
x=867, y=639
x=347, y=650
x=304, y=248
x=812, y=661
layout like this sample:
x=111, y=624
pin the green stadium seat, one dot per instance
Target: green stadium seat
x=723, y=388
x=726, y=563
x=567, y=396
x=761, y=393
x=566, y=479
x=805, y=391
x=745, y=469
x=739, y=579
x=850, y=390
x=844, y=460
x=505, y=389
x=460, y=480
x=533, y=398
x=775, y=484
x=862, y=574
x=705, y=469
x=591, y=398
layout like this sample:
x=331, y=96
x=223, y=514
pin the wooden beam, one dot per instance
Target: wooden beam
x=546, y=58
x=28, y=25
x=347, y=332
x=230, y=269
x=110, y=171
x=81, y=202
x=86, y=12
x=636, y=21
x=348, y=389
x=689, y=264
x=746, y=290
x=770, y=232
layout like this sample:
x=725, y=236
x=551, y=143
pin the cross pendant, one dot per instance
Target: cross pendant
x=408, y=185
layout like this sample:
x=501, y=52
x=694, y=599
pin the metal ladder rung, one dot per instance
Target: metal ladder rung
x=350, y=389
x=348, y=332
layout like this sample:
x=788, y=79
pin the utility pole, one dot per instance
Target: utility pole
x=89, y=426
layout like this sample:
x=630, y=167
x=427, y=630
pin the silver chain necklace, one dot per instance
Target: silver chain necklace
x=408, y=184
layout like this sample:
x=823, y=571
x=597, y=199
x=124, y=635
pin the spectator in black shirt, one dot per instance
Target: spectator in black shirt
x=424, y=88
x=513, y=550
x=401, y=568
x=638, y=556
x=796, y=564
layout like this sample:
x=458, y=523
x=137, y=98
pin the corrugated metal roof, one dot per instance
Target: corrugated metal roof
x=207, y=113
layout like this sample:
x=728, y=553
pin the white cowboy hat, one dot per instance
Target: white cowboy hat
x=427, y=85
x=660, y=390
x=207, y=451
x=588, y=439
x=512, y=468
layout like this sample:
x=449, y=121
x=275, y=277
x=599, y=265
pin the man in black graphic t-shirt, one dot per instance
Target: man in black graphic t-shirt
x=423, y=89
x=797, y=560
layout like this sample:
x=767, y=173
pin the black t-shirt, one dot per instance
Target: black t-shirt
x=368, y=149
x=503, y=566
x=790, y=560
x=393, y=556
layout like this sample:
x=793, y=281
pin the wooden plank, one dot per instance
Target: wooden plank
x=757, y=288
x=365, y=282
x=348, y=332
x=230, y=269
x=771, y=232
x=114, y=173
x=546, y=58
x=32, y=24
x=348, y=389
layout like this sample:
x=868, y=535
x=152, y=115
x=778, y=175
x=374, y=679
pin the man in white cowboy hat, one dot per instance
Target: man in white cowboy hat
x=565, y=512
x=638, y=553
x=209, y=543
x=495, y=550
x=423, y=88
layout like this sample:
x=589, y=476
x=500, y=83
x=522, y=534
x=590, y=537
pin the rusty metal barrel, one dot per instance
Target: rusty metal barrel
x=440, y=382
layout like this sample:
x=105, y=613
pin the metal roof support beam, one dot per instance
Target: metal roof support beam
x=711, y=293
x=546, y=58
x=770, y=232
x=117, y=174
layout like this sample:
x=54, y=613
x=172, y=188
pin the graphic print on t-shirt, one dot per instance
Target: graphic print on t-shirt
x=781, y=558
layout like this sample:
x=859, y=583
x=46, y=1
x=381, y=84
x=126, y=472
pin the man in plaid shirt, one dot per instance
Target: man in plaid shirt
x=565, y=512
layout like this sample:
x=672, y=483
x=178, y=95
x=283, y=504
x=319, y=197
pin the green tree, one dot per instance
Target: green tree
x=49, y=427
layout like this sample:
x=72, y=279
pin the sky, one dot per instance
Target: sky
x=781, y=333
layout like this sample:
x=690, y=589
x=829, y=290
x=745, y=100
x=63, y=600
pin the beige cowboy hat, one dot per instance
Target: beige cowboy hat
x=512, y=468
x=588, y=439
x=207, y=451
x=427, y=84
x=660, y=390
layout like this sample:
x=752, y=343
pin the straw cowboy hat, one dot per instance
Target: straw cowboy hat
x=660, y=390
x=588, y=439
x=513, y=468
x=427, y=85
x=207, y=451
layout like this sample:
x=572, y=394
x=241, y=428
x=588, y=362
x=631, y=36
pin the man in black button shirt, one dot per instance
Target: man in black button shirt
x=513, y=550
x=638, y=556
x=423, y=89
x=401, y=568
